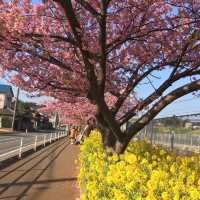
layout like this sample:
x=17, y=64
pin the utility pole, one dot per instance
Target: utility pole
x=15, y=108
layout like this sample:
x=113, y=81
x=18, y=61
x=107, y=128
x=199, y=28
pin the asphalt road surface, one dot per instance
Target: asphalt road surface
x=9, y=142
x=48, y=174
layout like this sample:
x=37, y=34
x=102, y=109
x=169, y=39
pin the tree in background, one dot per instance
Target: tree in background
x=25, y=112
x=79, y=112
x=6, y=122
x=78, y=50
x=26, y=108
x=173, y=122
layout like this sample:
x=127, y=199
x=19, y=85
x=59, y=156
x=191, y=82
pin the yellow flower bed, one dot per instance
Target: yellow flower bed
x=142, y=172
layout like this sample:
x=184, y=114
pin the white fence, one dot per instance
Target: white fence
x=32, y=142
x=184, y=141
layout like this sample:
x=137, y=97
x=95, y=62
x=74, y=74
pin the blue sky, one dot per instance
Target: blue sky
x=24, y=95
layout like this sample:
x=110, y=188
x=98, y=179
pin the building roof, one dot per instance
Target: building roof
x=6, y=89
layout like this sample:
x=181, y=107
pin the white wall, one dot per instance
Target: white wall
x=2, y=101
x=5, y=100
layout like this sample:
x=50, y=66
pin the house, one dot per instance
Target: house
x=6, y=111
x=54, y=119
x=6, y=95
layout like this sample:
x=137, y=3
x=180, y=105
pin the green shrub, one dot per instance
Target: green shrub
x=6, y=122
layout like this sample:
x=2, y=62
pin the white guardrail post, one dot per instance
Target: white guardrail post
x=35, y=141
x=20, y=148
x=51, y=137
x=44, y=140
x=35, y=145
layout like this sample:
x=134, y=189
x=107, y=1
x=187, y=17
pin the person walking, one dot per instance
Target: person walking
x=72, y=134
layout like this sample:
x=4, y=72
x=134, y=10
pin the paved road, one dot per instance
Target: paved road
x=10, y=142
x=48, y=174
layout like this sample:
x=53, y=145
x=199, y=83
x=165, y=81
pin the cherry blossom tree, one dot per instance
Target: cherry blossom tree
x=80, y=111
x=78, y=50
x=70, y=113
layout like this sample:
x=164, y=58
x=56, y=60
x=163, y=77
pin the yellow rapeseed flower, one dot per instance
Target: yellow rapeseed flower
x=141, y=173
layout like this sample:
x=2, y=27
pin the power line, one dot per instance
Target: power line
x=186, y=100
x=180, y=114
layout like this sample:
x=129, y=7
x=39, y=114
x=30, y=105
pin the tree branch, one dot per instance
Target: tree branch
x=50, y=59
x=102, y=42
x=119, y=41
x=130, y=37
x=169, y=98
x=77, y=31
x=74, y=23
x=112, y=123
x=45, y=57
x=59, y=38
x=156, y=94
x=68, y=39
x=88, y=7
x=132, y=83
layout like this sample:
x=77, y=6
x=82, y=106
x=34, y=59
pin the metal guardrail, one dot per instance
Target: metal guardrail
x=184, y=141
x=34, y=143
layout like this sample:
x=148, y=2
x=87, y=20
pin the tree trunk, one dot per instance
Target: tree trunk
x=108, y=138
x=120, y=146
x=110, y=143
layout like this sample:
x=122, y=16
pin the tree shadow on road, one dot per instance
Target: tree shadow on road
x=29, y=184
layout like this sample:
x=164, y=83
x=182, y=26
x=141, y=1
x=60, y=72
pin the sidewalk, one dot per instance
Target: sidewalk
x=7, y=131
x=48, y=174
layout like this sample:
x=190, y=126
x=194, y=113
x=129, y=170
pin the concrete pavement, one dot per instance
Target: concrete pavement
x=48, y=174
